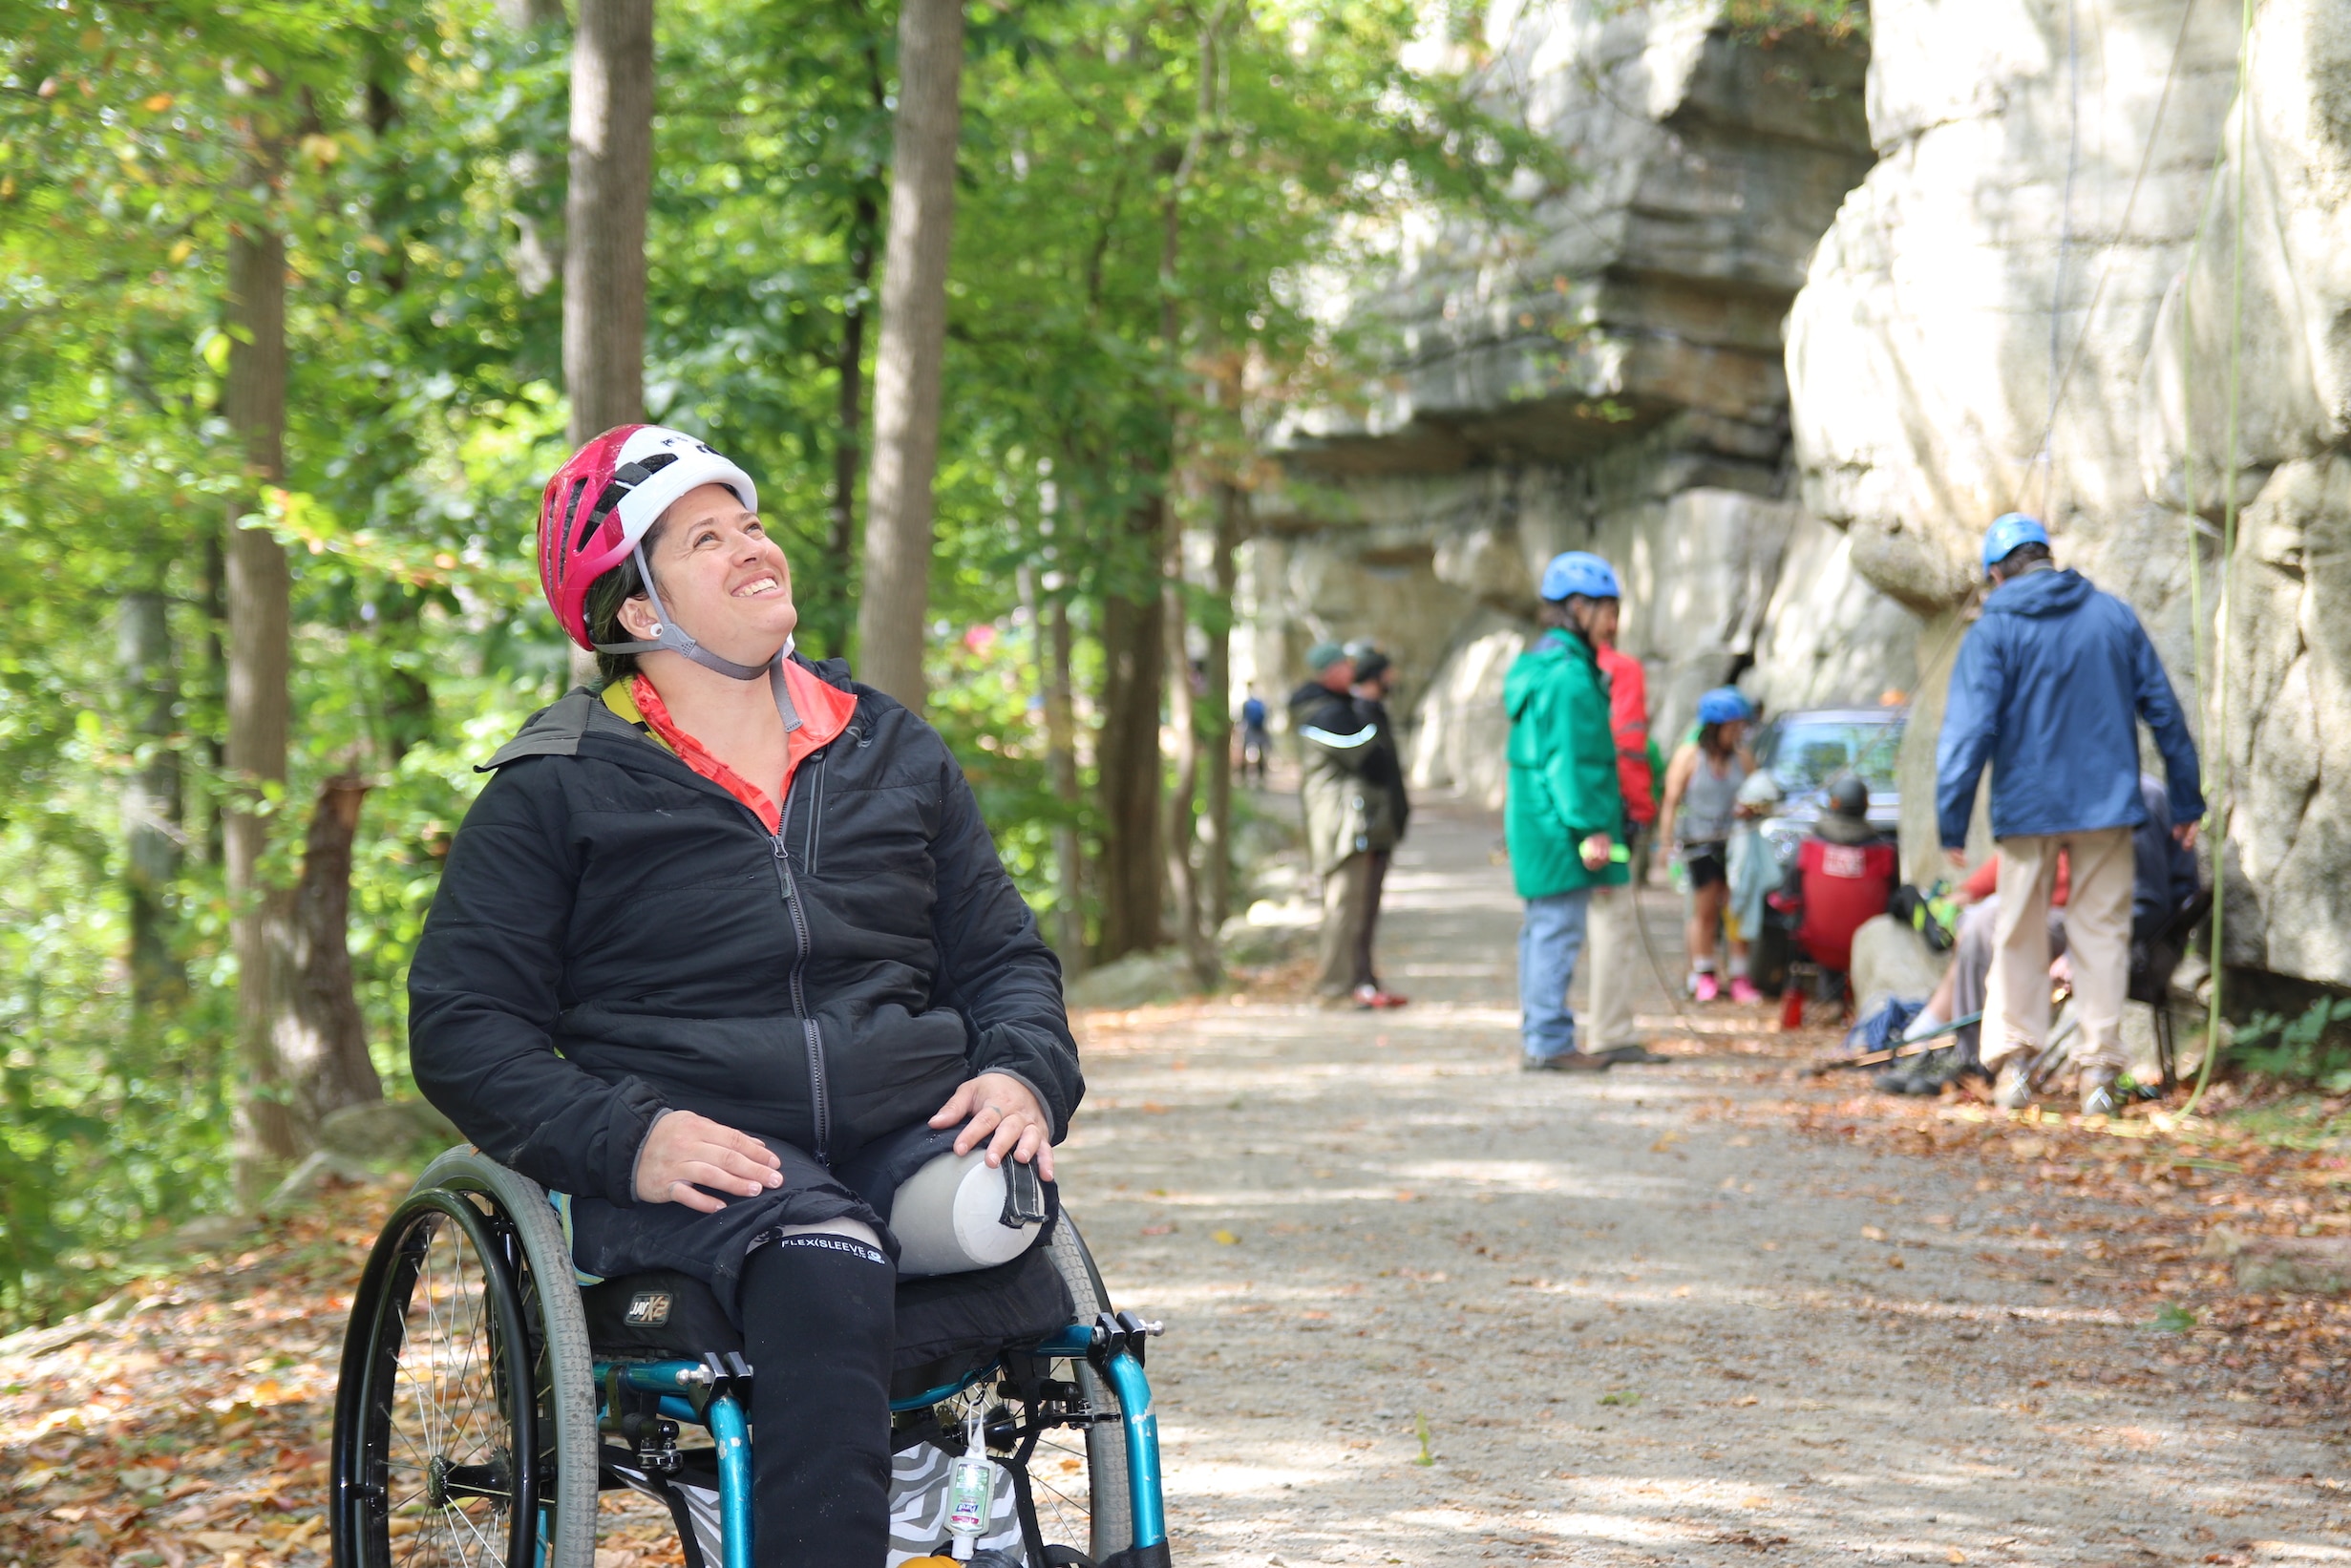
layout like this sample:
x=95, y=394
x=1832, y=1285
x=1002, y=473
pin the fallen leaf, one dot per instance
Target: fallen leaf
x=1871, y=1233
x=1157, y=1230
x=1223, y=1238
x=1895, y=1262
x=1680, y=1290
x=225, y=1541
x=1957, y=1555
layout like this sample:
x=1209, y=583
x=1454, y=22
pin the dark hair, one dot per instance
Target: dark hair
x=1710, y=733
x=2021, y=557
x=605, y=597
x=1561, y=613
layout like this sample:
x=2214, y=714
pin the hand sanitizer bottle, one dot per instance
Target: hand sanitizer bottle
x=971, y=1490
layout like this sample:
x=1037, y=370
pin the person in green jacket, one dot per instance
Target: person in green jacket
x=1565, y=807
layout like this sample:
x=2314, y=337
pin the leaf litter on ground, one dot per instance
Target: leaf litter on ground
x=2131, y=1204
x=185, y=1423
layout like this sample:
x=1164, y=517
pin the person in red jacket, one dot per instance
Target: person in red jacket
x=1850, y=871
x=1615, y=1033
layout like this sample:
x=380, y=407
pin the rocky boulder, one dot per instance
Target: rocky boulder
x=2003, y=315
x=1616, y=384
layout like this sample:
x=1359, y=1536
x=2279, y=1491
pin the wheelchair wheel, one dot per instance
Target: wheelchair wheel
x=1100, y=1515
x=465, y=1419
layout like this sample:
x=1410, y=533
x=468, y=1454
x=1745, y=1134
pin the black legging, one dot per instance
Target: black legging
x=819, y=1318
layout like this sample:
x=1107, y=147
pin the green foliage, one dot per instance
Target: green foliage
x=1767, y=20
x=1147, y=192
x=2300, y=1049
x=2171, y=1318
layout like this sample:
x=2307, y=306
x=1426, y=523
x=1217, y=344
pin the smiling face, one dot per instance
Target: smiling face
x=720, y=575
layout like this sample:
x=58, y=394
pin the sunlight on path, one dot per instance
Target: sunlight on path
x=1632, y=1331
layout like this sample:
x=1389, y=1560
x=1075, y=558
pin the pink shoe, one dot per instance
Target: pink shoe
x=1742, y=992
x=1703, y=986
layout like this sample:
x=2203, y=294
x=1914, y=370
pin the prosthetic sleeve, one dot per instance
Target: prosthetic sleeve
x=818, y=1322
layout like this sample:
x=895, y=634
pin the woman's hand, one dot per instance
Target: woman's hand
x=685, y=1152
x=1004, y=1113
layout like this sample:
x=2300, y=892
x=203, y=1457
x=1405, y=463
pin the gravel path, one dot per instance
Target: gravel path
x=1634, y=1325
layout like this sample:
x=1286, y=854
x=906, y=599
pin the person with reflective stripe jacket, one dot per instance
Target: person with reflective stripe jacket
x=1342, y=751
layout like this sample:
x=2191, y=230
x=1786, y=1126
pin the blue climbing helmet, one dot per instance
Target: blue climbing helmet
x=1575, y=572
x=2010, y=530
x=1722, y=705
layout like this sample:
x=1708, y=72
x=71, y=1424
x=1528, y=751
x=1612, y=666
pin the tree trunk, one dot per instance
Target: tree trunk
x=259, y=658
x=1216, y=728
x=1050, y=626
x=604, y=223
x=1068, y=844
x=1127, y=755
x=894, y=597
x=849, y=435
x=152, y=834
x=537, y=256
x=1178, y=835
x=323, y=1045
x=204, y=808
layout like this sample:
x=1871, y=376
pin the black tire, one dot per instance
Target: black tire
x=562, y=1369
x=541, y=1347
x=1110, y=1514
x=435, y=1419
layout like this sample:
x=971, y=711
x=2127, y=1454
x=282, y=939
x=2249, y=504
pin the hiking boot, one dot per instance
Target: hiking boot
x=1922, y=1075
x=1742, y=991
x=1567, y=1061
x=2013, y=1088
x=1620, y=1055
x=1703, y=986
x=2099, y=1095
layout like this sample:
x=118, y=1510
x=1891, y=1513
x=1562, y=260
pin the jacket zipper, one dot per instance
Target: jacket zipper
x=820, y=1105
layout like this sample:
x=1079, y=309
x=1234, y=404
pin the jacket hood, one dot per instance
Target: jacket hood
x=1519, y=682
x=2040, y=594
x=580, y=719
x=1312, y=695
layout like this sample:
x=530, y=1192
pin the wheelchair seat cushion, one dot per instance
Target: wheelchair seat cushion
x=948, y=1324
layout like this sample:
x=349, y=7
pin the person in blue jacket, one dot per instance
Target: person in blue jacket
x=2048, y=689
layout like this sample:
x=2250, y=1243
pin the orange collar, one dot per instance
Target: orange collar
x=824, y=713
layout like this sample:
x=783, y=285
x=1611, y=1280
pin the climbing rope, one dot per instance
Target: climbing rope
x=2219, y=811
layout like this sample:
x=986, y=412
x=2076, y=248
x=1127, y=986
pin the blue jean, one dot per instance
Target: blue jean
x=1549, y=943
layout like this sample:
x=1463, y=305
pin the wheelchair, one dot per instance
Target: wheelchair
x=478, y=1418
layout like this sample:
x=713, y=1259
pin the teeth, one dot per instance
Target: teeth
x=754, y=587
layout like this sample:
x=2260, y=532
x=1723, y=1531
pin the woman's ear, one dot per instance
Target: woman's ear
x=637, y=615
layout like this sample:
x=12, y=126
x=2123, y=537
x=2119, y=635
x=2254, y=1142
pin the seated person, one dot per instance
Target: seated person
x=2164, y=880
x=1849, y=871
x=716, y=925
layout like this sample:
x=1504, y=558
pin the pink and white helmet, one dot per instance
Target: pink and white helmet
x=601, y=505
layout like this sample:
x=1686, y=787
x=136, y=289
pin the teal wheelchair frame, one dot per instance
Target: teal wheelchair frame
x=474, y=1423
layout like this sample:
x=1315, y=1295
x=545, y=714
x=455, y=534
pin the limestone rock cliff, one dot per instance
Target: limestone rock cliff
x=2280, y=675
x=2003, y=315
x=1614, y=382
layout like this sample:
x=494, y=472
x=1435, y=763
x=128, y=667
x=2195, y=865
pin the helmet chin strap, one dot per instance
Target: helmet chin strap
x=670, y=637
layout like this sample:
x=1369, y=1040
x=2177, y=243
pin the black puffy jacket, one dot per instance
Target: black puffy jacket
x=615, y=935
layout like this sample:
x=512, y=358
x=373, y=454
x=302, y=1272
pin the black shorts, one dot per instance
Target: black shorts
x=1707, y=864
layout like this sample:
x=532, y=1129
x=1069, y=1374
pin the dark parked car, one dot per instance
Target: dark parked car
x=1806, y=748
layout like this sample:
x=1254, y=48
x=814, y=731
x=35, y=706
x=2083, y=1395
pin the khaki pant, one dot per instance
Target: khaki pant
x=1347, y=917
x=1612, y=962
x=2016, y=1000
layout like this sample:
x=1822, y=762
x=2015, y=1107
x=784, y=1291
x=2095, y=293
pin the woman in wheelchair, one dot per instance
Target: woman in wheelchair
x=722, y=949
